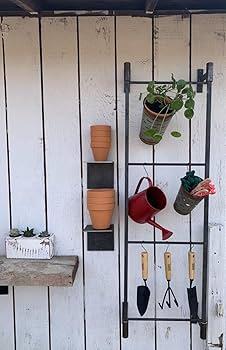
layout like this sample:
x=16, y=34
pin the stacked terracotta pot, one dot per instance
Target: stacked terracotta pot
x=101, y=203
x=100, y=141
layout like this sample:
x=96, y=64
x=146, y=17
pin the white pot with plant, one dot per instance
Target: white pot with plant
x=160, y=105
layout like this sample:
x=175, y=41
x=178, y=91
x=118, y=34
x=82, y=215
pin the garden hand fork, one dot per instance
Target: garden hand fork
x=169, y=291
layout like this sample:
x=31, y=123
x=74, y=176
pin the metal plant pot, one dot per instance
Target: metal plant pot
x=185, y=202
x=148, y=122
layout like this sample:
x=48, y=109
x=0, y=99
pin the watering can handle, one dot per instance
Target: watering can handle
x=165, y=233
x=139, y=183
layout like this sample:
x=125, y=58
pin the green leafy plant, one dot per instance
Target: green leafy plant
x=28, y=232
x=170, y=99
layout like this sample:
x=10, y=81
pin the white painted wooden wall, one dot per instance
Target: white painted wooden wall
x=58, y=76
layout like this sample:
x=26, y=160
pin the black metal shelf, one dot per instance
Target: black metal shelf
x=160, y=82
x=166, y=164
x=164, y=319
x=166, y=242
x=100, y=240
x=202, y=79
x=89, y=228
x=100, y=175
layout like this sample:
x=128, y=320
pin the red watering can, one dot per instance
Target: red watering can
x=146, y=204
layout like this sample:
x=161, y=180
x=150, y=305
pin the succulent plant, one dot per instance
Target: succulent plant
x=14, y=232
x=44, y=234
x=28, y=232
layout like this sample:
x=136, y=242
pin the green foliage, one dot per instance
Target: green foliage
x=28, y=232
x=188, y=113
x=150, y=132
x=157, y=137
x=171, y=98
x=176, y=134
x=176, y=104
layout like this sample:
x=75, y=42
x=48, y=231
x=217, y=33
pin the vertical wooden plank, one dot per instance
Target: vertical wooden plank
x=60, y=81
x=97, y=58
x=216, y=302
x=26, y=166
x=171, y=54
x=134, y=44
x=173, y=335
x=4, y=189
x=6, y=301
x=208, y=44
x=172, y=35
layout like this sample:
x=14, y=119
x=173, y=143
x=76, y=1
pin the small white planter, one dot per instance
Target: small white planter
x=30, y=247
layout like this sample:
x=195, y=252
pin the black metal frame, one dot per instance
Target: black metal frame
x=202, y=79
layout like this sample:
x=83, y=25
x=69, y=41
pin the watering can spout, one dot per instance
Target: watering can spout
x=165, y=233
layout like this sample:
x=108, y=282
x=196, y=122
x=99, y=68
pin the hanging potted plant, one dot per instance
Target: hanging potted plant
x=160, y=105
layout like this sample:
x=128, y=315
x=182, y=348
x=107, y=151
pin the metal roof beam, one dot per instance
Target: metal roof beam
x=30, y=6
x=150, y=6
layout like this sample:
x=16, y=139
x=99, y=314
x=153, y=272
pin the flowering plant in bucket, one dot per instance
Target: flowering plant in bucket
x=160, y=104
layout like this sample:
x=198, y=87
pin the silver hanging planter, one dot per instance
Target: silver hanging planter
x=185, y=202
x=153, y=120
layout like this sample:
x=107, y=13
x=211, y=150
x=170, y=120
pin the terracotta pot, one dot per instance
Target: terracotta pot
x=109, y=200
x=149, y=121
x=101, y=203
x=100, y=153
x=104, y=144
x=101, y=134
x=94, y=128
x=104, y=139
x=101, y=220
x=100, y=141
x=101, y=215
x=101, y=207
x=101, y=193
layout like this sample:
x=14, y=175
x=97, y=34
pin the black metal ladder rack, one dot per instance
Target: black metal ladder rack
x=202, y=78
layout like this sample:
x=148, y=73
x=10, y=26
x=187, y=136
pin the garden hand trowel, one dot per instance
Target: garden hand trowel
x=143, y=292
x=192, y=294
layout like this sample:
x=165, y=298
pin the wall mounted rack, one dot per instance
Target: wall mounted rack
x=100, y=174
x=202, y=78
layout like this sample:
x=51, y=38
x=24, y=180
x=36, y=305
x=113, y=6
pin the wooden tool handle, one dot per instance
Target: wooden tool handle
x=144, y=262
x=168, y=265
x=191, y=265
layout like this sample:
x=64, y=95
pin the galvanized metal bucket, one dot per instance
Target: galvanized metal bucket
x=148, y=122
x=185, y=202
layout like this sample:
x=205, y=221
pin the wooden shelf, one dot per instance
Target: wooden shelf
x=59, y=271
